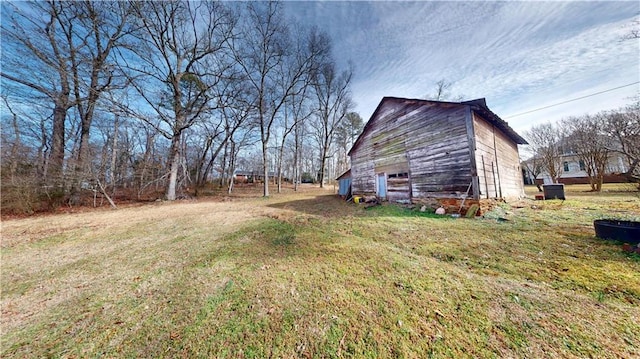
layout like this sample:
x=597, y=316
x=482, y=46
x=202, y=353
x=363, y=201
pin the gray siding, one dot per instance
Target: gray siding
x=427, y=141
x=498, y=162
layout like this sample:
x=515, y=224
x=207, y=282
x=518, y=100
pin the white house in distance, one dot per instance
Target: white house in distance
x=573, y=171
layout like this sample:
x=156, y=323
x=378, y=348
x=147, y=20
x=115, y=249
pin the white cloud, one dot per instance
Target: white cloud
x=519, y=55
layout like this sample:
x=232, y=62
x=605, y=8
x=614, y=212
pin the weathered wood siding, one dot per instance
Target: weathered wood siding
x=428, y=142
x=497, y=162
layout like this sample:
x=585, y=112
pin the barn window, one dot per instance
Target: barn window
x=399, y=175
x=566, y=166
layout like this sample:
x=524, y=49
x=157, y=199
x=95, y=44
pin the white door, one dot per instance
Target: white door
x=382, y=185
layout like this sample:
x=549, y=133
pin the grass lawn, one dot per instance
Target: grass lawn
x=308, y=275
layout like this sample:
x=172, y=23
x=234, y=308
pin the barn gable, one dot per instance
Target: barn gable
x=413, y=149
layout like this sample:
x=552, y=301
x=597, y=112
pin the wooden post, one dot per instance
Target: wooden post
x=495, y=151
x=495, y=184
x=486, y=183
x=471, y=140
x=476, y=187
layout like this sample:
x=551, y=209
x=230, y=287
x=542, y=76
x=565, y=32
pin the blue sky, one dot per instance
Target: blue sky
x=520, y=56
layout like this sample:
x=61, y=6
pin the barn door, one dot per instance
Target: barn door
x=382, y=186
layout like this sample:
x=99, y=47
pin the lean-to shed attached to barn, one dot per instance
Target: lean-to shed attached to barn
x=436, y=153
x=344, y=185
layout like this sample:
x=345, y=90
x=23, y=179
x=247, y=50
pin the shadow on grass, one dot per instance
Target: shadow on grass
x=330, y=206
x=395, y=210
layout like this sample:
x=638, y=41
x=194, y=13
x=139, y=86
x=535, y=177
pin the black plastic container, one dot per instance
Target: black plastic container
x=553, y=191
x=623, y=231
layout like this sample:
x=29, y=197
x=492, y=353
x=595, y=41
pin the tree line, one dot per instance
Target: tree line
x=592, y=139
x=124, y=99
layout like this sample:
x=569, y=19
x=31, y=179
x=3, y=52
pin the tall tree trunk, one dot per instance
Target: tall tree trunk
x=280, y=161
x=114, y=155
x=296, y=159
x=16, y=145
x=232, y=166
x=43, y=149
x=224, y=164
x=174, y=158
x=201, y=173
x=295, y=170
x=323, y=162
x=265, y=159
x=55, y=165
x=146, y=158
x=80, y=171
x=212, y=160
x=81, y=168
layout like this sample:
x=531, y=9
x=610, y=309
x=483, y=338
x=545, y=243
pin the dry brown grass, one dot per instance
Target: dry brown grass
x=307, y=275
x=48, y=256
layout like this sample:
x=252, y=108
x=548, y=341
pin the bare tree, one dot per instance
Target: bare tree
x=587, y=138
x=442, y=92
x=310, y=51
x=545, y=142
x=346, y=135
x=240, y=140
x=334, y=102
x=16, y=143
x=67, y=46
x=260, y=56
x=148, y=172
x=181, y=57
x=208, y=146
x=43, y=34
x=272, y=68
x=295, y=119
x=22, y=155
x=234, y=114
x=104, y=26
x=287, y=126
x=624, y=126
x=533, y=165
x=299, y=132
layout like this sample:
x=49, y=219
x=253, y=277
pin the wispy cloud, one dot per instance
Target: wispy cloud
x=518, y=55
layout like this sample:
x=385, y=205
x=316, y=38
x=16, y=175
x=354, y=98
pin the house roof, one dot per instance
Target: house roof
x=477, y=105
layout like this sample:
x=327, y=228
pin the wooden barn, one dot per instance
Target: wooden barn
x=436, y=153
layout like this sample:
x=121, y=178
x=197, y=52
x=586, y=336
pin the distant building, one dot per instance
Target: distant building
x=242, y=176
x=573, y=171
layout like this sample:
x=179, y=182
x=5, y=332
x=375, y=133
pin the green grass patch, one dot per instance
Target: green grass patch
x=294, y=279
x=391, y=210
